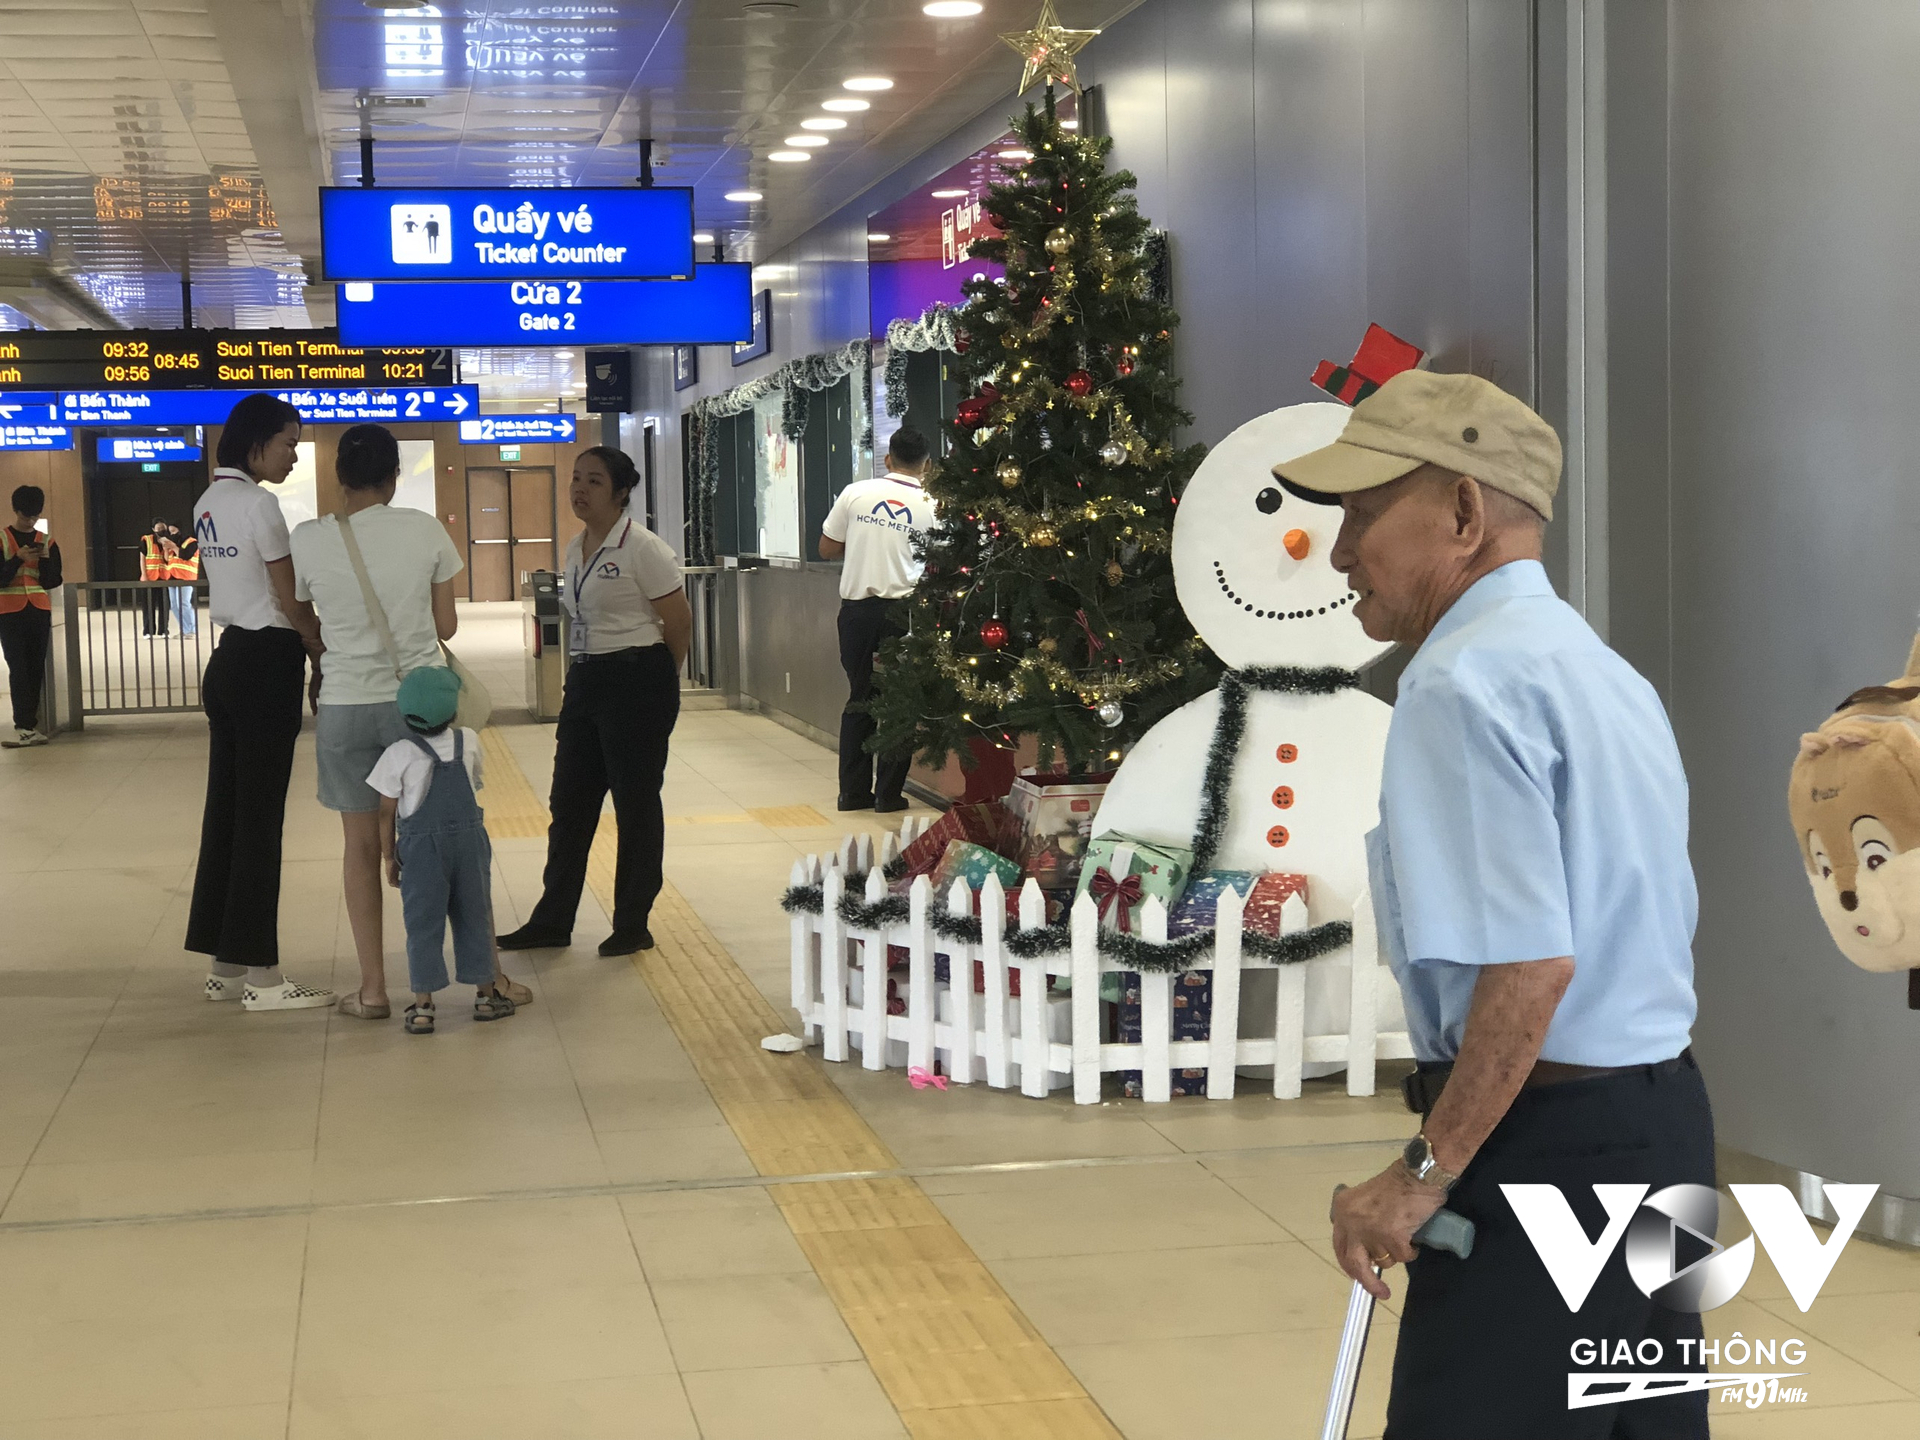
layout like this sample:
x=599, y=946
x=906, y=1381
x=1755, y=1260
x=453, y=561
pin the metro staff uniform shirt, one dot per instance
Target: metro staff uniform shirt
x=241, y=531
x=876, y=520
x=1533, y=805
x=407, y=553
x=610, y=593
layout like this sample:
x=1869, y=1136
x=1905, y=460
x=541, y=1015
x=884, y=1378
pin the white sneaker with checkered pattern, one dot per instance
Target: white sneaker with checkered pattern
x=225, y=987
x=287, y=995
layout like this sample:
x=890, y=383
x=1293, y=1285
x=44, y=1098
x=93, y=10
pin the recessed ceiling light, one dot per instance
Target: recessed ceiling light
x=867, y=82
x=848, y=106
x=951, y=194
x=563, y=354
x=877, y=236
x=805, y=142
x=701, y=237
x=1016, y=154
x=789, y=157
x=743, y=197
x=769, y=7
x=952, y=9
x=823, y=122
x=1069, y=124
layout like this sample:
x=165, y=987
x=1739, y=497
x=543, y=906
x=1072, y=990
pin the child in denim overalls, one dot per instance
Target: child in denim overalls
x=437, y=852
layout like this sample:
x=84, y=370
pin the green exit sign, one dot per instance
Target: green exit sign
x=150, y=468
x=509, y=452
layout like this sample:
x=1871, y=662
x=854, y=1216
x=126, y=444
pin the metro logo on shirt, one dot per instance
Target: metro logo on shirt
x=892, y=510
x=208, y=534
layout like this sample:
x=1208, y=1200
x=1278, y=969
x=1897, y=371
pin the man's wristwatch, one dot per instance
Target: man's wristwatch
x=1418, y=1158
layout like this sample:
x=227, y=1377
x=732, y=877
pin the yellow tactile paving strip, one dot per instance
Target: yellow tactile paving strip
x=955, y=1355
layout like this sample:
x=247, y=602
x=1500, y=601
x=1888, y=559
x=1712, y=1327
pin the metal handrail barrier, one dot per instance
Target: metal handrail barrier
x=703, y=599
x=120, y=662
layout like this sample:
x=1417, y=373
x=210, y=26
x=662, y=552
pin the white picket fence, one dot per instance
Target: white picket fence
x=840, y=991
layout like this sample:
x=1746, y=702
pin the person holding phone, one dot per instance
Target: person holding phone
x=29, y=573
x=631, y=628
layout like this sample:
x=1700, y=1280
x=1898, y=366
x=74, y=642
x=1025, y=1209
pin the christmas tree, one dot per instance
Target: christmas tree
x=1047, y=606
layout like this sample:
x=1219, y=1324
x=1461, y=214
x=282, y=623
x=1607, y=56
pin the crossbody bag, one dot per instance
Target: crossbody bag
x=476, y=705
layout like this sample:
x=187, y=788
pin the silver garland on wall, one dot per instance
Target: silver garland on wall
x=793, y=380
x=934, y=330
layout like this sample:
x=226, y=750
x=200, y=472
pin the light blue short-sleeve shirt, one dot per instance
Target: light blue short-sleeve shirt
x=1533, y=805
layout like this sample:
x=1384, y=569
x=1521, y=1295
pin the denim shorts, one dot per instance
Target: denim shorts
x=350, y=739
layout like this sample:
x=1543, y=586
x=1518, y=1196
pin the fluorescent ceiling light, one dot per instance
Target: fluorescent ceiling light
x=701, y=237
x=951, y=194
x=1016, y=154
x=952, y=9
x=876, y=236
x=867, y=82
x=789, y=157
x=849, y=106
x=743, y=197
x=823, y=122
x=805, y=142
x=1069, y=124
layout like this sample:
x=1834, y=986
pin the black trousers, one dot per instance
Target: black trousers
x=863, y=776
x=1485, y=1342
x=24, y=638
x=153, y=612
x=251, y=693
x=615, y=722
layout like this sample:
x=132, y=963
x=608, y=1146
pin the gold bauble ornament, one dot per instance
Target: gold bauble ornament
x=1048, y=645
x=1059, y=240
x=1114, y=573
x=1009, y=473
x=1043, y=537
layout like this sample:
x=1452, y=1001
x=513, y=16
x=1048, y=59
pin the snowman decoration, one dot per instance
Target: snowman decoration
x=1298, y=789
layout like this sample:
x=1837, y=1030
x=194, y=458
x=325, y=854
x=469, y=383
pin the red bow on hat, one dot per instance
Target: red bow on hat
x=1105, y=890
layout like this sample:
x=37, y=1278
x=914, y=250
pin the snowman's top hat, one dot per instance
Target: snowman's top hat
x=1458, y=422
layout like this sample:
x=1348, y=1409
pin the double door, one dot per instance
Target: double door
x=510, y=528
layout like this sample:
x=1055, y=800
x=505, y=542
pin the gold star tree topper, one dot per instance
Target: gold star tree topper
x=1048, y=48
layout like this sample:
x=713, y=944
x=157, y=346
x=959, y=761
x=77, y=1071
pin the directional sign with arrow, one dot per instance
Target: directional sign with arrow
x=517, y=429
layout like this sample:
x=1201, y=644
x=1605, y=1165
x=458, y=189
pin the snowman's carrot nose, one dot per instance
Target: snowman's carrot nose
x=1298, y=543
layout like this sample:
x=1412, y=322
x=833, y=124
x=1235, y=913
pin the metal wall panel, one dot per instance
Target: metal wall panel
x=1796, y=519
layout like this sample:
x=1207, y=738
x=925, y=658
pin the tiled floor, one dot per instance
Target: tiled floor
x=228, y=1226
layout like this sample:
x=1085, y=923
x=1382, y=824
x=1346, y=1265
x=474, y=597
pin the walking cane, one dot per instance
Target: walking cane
x=1444, y=1230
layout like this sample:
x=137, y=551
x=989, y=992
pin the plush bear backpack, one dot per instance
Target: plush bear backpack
x=1855, y=802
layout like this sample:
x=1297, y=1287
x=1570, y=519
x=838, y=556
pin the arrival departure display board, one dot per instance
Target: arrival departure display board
x=378, y=404
x=572, y=233
x=715, y=307
x=207, y=359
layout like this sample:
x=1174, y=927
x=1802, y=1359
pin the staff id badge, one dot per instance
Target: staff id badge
x=577, y=627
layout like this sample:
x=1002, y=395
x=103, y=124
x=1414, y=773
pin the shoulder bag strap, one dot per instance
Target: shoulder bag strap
x=375, y=610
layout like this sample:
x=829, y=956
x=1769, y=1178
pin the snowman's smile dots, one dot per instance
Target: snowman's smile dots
x=1220, y=576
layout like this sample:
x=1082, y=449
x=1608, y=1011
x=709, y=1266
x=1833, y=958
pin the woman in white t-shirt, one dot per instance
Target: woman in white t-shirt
x=411, y=562
x=251, y=693
x=631, y=627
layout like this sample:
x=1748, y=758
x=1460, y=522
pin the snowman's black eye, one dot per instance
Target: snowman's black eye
x=1268, y=500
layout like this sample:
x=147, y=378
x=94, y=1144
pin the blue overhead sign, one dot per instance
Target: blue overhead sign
x=120, y=449
x=571, y=233
x=316, y=406
x=517, y=430
x=36, y=436
x=715, y=307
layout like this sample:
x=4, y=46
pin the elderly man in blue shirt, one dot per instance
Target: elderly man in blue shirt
x=1533, y=890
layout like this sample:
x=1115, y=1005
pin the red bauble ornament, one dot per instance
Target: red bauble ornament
x=1080, y=383
x=971, y=413
x=989, y=393
x=960, y=344
x=1123, y=368
x=993, y=634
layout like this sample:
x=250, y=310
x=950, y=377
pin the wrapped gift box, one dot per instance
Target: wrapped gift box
x=973, y=863
x=990, y=825
x=1121, y=872
x=1192, y=1011
x=1267, y=901
x=1055, y=815
x=1200, y=900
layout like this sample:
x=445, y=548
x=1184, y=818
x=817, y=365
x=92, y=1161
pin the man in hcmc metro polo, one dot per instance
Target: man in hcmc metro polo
x=1535, y=900
x=872, y=525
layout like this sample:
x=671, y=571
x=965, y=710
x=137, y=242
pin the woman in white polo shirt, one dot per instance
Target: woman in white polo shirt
x=631, y=626
x=251, y=693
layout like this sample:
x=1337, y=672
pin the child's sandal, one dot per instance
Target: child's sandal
x=419, y=1019
x=491, y=1005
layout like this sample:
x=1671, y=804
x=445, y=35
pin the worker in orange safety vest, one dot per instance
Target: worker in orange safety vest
x=29, y=569
x=156, y=560
x=183, y=568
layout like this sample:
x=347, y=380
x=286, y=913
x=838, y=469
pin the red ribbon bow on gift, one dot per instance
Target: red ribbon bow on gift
x=1106, y=890
x=920, y=1079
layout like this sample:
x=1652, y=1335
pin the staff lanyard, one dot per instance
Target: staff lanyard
x=578, y=582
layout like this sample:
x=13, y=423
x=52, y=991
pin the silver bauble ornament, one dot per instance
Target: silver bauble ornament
x=1113, y=453
x=1110, y=713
